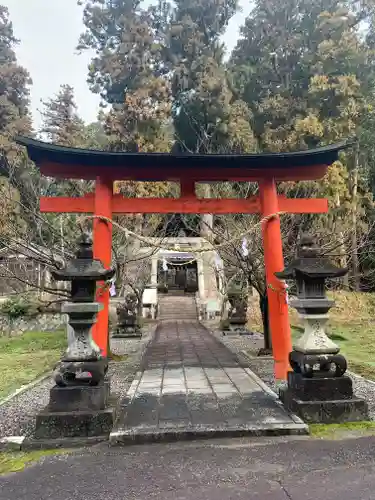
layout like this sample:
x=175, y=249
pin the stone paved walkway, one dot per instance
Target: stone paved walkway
x=191, y=385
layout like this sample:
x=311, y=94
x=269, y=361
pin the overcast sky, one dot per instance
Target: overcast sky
x=49, y=31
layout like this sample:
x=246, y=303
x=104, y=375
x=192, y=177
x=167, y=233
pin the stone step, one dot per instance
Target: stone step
x=177, y=307
x=172, y=315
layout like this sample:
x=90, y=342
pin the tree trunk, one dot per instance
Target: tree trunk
x=342, y=249
x=132, y=251
x=140, y=306
x=207, y=220
x=138, y=226
x=62, y=235
x=354, y=241
x=263, y=304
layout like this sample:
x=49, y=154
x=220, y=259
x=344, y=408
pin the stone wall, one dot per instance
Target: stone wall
x=40, y=323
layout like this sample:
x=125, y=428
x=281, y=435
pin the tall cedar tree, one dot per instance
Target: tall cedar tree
x=14, y=89
x=61, y=123
x=165, y=63
x=207, y=117
x=15, y=120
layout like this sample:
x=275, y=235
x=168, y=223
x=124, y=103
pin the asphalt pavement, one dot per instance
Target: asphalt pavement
x=293, y=468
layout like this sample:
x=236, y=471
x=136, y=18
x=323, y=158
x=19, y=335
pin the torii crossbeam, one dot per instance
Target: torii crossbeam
x=266, y=169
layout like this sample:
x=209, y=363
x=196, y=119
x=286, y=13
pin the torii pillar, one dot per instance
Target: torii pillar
x=273, y=261
x=103, y=251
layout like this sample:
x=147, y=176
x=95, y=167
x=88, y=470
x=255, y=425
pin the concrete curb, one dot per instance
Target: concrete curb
x=26, y=387
x=273, y=394
x=11, y=443
x=275, y=397
x=30, y=444
x=144, y=436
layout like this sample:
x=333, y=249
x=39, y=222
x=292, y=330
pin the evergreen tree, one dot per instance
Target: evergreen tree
x=95, y=136
x=14, y=89
x=206, y=116
x=128, y=72
x=61, y=123
x=16, y=187
x=165, y=63
x=289, y=55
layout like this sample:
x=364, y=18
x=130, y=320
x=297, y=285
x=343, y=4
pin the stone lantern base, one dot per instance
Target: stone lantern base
x=127, y=331
x=323, y=399
x=76, y=413
x=232, y=328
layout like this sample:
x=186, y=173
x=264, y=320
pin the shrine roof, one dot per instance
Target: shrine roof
x=50, y=158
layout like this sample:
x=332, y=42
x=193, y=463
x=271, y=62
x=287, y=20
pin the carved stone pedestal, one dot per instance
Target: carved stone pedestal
x=234, y=329
x=76, y=412
x=323, y=399
x=126, y=332
x=314, y=339
x=79, y=398
x=77, y=426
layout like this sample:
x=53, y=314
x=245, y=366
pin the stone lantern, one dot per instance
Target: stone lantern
x=82, y=362
x=78, y=403
x=236, y=320
x=317, y=388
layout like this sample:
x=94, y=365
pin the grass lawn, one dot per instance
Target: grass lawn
x=339, y=431
x=25, y=357
x=16, y=462
x=357, y=344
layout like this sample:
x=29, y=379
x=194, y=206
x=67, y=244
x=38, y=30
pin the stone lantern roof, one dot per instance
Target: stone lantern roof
x=310, y=263
x=84, y=266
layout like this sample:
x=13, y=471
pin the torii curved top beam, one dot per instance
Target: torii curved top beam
x=66, y=162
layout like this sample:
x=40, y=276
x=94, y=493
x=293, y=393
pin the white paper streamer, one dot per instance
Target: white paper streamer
x=245, y=251
x=217, y=262
x=112, y=289
x=165, y=264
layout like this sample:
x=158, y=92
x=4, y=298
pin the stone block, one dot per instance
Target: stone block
x=81, y=307
x=126, y=333
x=236, y=329
x=320, y=388
x=57, y=425
x=11, y=443
x=328, y=411
x=79, y=398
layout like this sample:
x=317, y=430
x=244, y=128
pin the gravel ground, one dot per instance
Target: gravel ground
x=263, y=367
x=122, y=373
x=17, y=415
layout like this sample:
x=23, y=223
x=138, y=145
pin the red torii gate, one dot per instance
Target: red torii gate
x=187, y=169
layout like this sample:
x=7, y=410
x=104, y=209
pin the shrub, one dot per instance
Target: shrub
x=17, y=308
